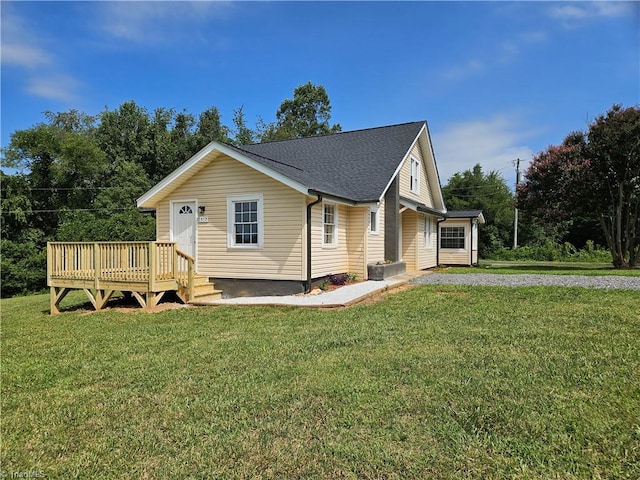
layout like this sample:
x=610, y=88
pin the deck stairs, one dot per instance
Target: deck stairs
x=203, y=291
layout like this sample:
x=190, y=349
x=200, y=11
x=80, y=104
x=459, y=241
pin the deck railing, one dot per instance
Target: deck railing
x=126, y=262
x=185, y=271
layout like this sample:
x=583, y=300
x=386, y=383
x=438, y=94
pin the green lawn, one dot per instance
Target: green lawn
x=542, y=268
x=433, y=382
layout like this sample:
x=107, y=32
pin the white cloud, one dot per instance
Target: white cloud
x=22, y=50
x=493, y=143
x=156, y=22
x=55, y=87
x=572, y=14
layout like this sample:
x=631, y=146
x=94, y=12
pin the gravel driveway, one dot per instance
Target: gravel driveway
x=525, y=280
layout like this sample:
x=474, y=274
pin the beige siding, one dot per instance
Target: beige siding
x=408, y=253
x=425, y=195
x=281, y=256
x=427, y=254
x=457, y=256
x=357, y=239
x=328, y=260
x=375, y=241
x=162, y=221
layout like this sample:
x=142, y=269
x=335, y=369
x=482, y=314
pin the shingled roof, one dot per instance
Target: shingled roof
x=356, y=165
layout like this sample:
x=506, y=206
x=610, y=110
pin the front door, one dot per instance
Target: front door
x=184, y=227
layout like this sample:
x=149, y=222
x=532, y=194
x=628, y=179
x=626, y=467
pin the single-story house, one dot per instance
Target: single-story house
x=274, y=218
x=458, y=237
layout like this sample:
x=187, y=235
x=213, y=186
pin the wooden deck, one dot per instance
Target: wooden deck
x=147, y=270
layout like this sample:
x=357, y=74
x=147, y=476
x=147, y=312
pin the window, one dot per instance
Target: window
x=415, y=176
x=329, y=222
x=244, y=216
x=427, y=232
x=185, y=210
x=373, y=220
x=452, y=237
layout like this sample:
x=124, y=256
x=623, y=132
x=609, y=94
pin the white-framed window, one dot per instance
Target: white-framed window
x=245, y=221
x=427, y=232
x=414, y=178
x=452, y=237
x=329, y=224
x=373, y=220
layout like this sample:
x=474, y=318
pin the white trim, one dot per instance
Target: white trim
x=147, y=200
x=333, y=244
x=414, y=179
x=231, y=201
x=374, y=210
x=427, y=233
x=195, y=225
x=465, y=235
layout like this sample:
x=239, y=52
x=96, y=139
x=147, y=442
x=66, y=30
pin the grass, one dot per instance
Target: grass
x=545, y=268
x=433, y=382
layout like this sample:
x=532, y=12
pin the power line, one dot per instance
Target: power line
x=15, y=212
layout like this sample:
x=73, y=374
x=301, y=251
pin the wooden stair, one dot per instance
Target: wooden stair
x=203, y=291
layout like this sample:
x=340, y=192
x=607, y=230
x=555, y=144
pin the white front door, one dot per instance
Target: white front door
x=184, y=227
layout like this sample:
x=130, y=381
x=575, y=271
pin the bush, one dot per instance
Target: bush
x=24, y=268
x=551, y=252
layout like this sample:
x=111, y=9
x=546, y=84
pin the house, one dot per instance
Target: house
x=274, y=218
x=458, y=237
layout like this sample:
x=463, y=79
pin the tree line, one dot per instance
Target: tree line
x=77, y=178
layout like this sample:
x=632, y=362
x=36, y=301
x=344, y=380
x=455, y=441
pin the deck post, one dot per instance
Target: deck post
x=96, y=266
x=152, y=267
x=174, y=256
x=191, y=279
x=49, y=263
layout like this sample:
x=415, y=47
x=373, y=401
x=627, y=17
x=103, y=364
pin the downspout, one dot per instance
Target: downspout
x=438, y=222
x=309, y=207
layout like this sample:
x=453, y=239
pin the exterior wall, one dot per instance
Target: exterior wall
x=375, y=241
x=409, y=240
x=415, y=253
x=450, y=256
x=427, y=253
x=357, y=240
x=330, y=259
x=282, y=255
x=425, y=195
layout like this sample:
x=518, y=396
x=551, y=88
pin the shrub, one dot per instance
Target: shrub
x=550, y=251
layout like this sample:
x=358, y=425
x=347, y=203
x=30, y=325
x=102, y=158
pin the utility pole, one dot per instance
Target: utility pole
x=515, y=219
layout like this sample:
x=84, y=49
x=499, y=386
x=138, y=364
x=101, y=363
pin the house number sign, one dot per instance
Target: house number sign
x=203, y=219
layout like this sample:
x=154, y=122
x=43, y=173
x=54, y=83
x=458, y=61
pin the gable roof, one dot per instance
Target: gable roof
x=466, y=214
x=356, y=166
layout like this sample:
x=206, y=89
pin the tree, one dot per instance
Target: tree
x=595, y=175
x=243, y=134
x=475, y=190
x=306, y=115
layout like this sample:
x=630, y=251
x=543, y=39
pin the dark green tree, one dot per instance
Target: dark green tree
x=306, y=115
x=243, y=134
x=475, y=190
x=595, y=175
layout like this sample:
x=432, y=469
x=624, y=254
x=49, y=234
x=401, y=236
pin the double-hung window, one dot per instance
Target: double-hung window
x=329, y=224
x=245, y=222
x=452, y=237
x=414, y=178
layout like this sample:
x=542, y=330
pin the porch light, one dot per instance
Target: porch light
x=201, y=209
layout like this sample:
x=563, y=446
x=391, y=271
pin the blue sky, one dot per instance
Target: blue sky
x=495, y=80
